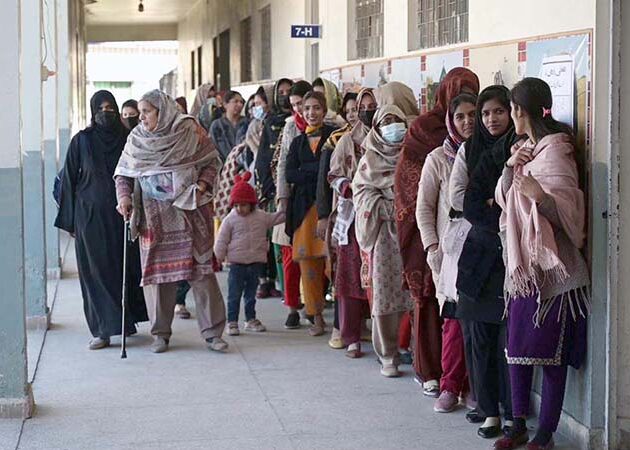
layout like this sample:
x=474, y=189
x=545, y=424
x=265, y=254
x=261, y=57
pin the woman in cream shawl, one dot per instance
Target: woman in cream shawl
x=373, y=197
x=164, y=179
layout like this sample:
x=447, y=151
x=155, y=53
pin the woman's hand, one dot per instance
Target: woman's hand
x=125, y=207
x=529, y=187
x=520, y=157
x=202, y=186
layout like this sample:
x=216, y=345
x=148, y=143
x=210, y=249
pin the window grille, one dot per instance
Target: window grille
x=439, y=23
x=368, y=29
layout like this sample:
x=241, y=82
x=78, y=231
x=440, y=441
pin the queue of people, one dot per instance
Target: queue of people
x=458, y=233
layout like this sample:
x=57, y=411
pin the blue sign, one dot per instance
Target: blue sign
x=306, y=31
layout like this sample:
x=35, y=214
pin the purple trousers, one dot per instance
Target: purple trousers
x=553, y=388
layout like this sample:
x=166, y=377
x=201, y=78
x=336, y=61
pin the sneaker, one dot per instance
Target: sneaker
x=217, y=344
x=406, y=358
x=293, y=321
x=431, y=388
x=335, y=340
x=390, y=371
x=98, y=343
x=160, y=345
x=446, y=402
x=182, y=312
x=255, y=325
x=232, y=329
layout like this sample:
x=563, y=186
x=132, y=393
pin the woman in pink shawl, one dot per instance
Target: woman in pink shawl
x=373, y=197
x=547, y=279
x=164, y=180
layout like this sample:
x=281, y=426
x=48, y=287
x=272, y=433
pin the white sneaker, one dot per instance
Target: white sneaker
x=255, y=325
x=232, y=329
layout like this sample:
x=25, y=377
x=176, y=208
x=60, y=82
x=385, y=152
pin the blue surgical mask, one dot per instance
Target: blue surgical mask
x=394, y=132
x=258, y=112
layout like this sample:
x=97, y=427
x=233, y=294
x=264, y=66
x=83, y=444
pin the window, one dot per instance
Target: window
x=265, y=42
x=199, y=71
x=366, y=25
x=193, y=85
x=435, y=23
x=246, y=50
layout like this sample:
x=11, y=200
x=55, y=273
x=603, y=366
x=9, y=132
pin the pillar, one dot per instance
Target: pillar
x=15, y=394
x=51, y=147
x=33, y=164
x=63, y=77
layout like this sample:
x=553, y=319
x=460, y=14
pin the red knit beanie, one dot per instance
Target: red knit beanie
x=243, y=192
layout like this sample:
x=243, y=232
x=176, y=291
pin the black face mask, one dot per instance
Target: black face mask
x=366, y=117
x=283, y=102
x=130, y=122
x=106, y=119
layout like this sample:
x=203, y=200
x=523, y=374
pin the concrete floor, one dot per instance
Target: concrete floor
x=276, y=390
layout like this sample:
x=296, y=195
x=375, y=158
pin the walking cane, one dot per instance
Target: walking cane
x=123, y=350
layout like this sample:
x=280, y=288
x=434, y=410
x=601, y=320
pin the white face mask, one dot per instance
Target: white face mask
x=258, y=112
x=394, y=132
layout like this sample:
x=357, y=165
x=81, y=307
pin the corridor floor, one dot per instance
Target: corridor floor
x=276, y=390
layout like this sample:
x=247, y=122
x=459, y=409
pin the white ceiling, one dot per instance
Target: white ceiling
x=118, y=12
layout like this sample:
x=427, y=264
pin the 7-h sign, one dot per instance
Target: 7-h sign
x=306, y=31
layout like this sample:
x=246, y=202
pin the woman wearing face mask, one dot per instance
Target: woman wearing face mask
x=164, y=181
x=480, y=269
x=324, y=200
x=425, y=134
x=351, y=296
x=373, y=197
x=293, y=127
x=129, y=114
x=547, y=279
x=302, y=167
x=230, y=128
x=204, y=106
x=87, y=210
x=432, y=215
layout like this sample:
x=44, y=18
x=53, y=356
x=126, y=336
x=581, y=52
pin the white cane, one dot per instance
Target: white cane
x=123, y=350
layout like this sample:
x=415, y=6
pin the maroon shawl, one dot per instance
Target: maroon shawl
x=425, y=134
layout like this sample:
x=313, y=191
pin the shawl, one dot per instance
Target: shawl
x=399, y=94
x=173, y=153
x=532, y=250
x=374, y=182
x=453, y=139
x=426, y=133
x=200, y=99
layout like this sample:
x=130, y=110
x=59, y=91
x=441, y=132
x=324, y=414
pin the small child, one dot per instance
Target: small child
x=243, y=243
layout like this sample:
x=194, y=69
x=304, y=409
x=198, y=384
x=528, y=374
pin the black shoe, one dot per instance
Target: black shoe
x=474, y=416
x=507, y=430
x=489, y=432
x=293, y=321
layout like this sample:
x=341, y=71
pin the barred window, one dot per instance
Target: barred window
x=265, y=42
x=246, y=50
x=435, y=23
x=366, y=24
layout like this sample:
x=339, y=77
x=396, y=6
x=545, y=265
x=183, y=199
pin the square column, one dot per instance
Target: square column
x=16, y=399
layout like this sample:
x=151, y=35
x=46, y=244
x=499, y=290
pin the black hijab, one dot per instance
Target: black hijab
x=106, y=140
x=481, y=139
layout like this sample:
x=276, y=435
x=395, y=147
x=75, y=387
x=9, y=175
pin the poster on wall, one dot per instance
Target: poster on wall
x=433, y=69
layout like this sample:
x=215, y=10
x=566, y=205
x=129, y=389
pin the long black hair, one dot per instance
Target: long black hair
x=481, y=139
x=344, y=103
x=533, y=95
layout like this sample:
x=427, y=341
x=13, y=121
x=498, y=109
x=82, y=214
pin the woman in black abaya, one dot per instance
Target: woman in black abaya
x=87, y=209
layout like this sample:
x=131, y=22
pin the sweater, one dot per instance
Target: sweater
x=243, y=239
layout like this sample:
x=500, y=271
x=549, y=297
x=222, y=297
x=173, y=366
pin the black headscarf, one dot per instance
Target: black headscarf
x=111, y=139
x=481, y=139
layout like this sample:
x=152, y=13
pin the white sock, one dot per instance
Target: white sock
x=509, y=423
x=491, y=422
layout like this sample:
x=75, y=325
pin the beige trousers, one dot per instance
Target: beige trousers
x=385, y=337
x=209, y=307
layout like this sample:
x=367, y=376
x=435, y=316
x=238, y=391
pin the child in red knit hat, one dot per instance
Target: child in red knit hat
x=243, y=242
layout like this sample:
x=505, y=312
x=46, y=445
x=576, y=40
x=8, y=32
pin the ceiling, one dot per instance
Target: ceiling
x=118, y=12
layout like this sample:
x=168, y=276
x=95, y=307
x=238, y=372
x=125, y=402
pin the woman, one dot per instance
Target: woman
x=547, y=279
x=477, y=284
x=426, y=133
x=492, y=122
x=167, y=167
x=333, y=100
x=373, y=197
x=129, y=114
x=291, y=269
x=432, y=214
x=205, y=104
x=302, y=167
x=229, y=130
x=182, y=105
x=351, y=296
x=325, y=196
x=87, y=210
